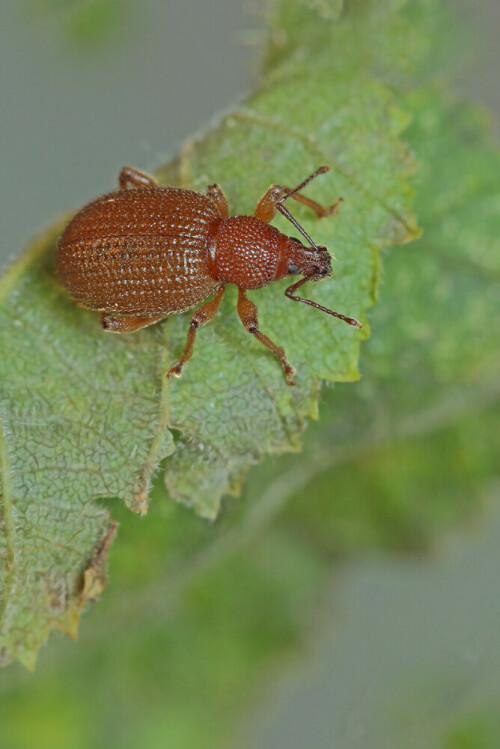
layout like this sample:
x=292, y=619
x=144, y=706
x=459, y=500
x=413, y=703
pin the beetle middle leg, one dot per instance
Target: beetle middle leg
x=247, y=312
x=203, y=314
x=126, y=324
x=131, y=177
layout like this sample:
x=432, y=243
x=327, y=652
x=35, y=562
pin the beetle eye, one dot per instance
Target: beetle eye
x=321, y=272
x=293, y=269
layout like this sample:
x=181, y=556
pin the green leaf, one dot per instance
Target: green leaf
x=232, y=407
x=84, y=415
x=209, y=609
x=420, y=431
x=59, y=451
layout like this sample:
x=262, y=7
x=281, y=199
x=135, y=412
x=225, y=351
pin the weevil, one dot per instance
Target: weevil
x=146, y=251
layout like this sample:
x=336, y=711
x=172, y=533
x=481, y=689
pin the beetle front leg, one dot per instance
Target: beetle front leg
x=131, y=177
x=203, y=314
x=247, y=312
x=275, y=196
x=268, y=204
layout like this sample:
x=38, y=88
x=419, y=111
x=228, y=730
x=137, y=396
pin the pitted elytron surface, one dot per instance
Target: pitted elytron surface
x=137, y=248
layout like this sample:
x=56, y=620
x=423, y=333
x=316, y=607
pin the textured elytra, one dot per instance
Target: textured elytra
x=140, y=251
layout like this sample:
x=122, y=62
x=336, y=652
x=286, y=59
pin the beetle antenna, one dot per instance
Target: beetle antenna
x=289, y=293
x=285, y=212
x=320, y=170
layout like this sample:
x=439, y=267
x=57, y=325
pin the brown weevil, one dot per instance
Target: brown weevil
x=145, y=251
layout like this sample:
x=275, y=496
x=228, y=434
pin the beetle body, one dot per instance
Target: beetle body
x=137, y=255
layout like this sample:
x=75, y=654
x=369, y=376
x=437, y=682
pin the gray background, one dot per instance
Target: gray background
x=70, y=119
x=72, y=115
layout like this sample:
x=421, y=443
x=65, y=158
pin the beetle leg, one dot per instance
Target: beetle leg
x=203, y=314
x=247, y=312
x=266, y=207
x=131, y=177
x=216, y=194
x=273, y=199
x=321, y=211
x=126, y=324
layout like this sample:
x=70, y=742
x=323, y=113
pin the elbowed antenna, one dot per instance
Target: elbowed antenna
x=289, y=293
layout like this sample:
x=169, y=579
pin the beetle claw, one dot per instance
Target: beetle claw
x=289, y=373
x=175, y=371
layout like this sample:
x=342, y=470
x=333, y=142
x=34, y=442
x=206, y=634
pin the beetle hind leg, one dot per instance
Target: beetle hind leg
x=126, y=324
x=131, y=177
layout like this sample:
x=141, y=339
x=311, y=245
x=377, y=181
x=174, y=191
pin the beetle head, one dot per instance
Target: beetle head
x=313, y=262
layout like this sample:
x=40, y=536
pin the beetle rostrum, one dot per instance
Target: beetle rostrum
x=145, y=251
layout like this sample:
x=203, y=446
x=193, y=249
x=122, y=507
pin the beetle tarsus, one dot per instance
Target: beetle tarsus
x=332, y=210
x=175, y=371
x=126, y=324
x=289, y=372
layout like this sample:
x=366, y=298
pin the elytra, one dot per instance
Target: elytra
x=145, y=251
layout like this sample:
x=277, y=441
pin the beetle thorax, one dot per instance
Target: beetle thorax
x=245, y=251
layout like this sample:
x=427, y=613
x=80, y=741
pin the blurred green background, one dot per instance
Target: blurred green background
x=351, y=597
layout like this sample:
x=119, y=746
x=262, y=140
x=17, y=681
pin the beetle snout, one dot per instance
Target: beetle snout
x=325, y=263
